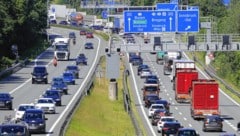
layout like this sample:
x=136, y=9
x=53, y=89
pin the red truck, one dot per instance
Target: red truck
x=182, y=84
x=204, y=98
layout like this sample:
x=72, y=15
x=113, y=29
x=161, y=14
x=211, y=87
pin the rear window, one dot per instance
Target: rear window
x=39, y=69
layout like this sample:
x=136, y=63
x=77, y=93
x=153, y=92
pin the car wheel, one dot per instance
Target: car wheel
x=33, y=81
x=10, y=107
x=46, y=82
x=73, y=83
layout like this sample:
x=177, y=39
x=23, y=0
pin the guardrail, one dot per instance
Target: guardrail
x=127, y=103
x=211, y=72
x=86, y=91
x=13, y=68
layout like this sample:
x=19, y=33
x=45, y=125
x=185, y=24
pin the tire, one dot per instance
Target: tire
x=33, y=81
x=46, y=81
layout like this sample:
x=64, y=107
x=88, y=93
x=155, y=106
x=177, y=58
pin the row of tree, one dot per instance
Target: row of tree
x=21, y=23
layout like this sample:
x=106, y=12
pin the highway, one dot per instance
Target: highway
x=21, y=88
x=229, y=108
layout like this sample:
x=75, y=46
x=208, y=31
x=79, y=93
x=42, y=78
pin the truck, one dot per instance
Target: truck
x=146, y=38
x=61, y=48
x=181, y=64
x=182, y=84
x=204, y=98
x=160, y=57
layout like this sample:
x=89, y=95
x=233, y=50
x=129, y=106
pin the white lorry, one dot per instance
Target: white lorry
x=61, y=48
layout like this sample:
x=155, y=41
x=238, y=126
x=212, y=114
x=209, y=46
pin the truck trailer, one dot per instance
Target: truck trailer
x=204, y=98
x=182, y=84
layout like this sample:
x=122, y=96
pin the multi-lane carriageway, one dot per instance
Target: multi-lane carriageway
x=20, y=87
x=229, y=108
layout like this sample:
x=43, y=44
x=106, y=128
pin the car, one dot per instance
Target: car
x=63, y=22
x=74, y=24
x=59, y=84
x=82, y=32
x=154, y=107
x=164, y=119
x=187, y=132
x=6, y=101
x=150, y=98
x=145, y=72
x=46, y=104
x=157, y=115
x=89, y=35
x=39, y=74
x=151, y=81
x=52, y=21
x=74, y=69
x=36, y=120
x=21, y=110
x=212, y=123
x=13, y=128
x=152, y=76
x=170, y=128
x=72, y=35
x=55, y=95
x=136, y=60
x=68, y=77
x=96, y=27
x=141, y=67
x=81, y=59
x=164, y=102
x=88, y=45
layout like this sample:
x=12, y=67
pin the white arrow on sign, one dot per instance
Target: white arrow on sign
x=187, y=28
x=170, y=21
x=129, y=21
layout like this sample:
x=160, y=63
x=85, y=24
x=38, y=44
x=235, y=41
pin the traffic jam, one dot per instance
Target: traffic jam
x=31, y=118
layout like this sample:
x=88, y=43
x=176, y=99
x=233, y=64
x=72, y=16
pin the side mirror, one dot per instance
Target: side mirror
x=12, y=97
x=46, y=118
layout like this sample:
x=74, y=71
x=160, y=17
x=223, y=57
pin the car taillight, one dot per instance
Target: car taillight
x=159, y=122
x=165, y=128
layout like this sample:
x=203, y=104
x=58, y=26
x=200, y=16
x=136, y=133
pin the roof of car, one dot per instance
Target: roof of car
x=187, y=129
x=34, y=110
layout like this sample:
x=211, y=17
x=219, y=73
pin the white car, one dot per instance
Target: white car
x=164, y=119
x=21, y=110
x=154, y=107
x=46, y=104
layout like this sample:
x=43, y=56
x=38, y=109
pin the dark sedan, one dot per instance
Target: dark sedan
x=88, y=45
x=81, y=59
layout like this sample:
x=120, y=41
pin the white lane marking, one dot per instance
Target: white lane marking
x=190, y=125
x=180, y=113
x=185, y=118
x=176, y=108
x=139, y=100
x=78, y=91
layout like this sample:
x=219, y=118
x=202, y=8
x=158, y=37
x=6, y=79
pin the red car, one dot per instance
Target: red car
x=82, y=32
x=89, y=35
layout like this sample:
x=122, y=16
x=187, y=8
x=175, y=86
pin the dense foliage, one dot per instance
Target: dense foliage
x=21, y=22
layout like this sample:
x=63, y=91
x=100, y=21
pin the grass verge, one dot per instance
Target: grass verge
x=97, y=115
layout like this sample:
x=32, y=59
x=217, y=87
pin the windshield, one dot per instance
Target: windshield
x=61, y=47
x=39, y=70
x=17, y=130
x=45, y=101
x=34, y=116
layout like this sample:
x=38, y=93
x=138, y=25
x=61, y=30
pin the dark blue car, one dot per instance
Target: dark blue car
x=55, y=95
x=59, y=84
x=74, y=69
x=6, y=101
x=63, y=22
x=88, y=45
x=68, y=77
x=35, y=118
x=81, y=59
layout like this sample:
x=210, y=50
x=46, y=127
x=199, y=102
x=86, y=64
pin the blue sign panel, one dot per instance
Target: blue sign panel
x=167, y=6
x=193, y=8
x=116, y=22
x=149, y=21
x=104, y=14
x=188, y=21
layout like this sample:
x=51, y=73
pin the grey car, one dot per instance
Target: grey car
x=212, y=123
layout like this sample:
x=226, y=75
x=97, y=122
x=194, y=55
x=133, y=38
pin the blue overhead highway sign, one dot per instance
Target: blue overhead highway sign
x=188, y=21
x=149, y=21
x=167, y=6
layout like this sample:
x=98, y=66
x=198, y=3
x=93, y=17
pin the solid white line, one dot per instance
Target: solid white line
x=77, y=93
x=139, y=100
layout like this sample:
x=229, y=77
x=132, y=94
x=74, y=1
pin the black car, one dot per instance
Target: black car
x=6, y=101
x=39, y=74
x=212, y=123
x=81, y=59
x=74, y=69
x=150, y=99
x=72, y=35
x=13, y=128
x=136, y=60
x=141, y=67
x=170, y=128
x=88, y=45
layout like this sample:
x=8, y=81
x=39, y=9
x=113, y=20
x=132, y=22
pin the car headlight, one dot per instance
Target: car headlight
x=57, y=99
x=54, y=87
x=44, y=76
x=8, y=101
x=34, y=76
x=41, y=124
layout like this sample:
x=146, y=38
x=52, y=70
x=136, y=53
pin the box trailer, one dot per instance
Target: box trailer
x=204, y=98
x=182, y=84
